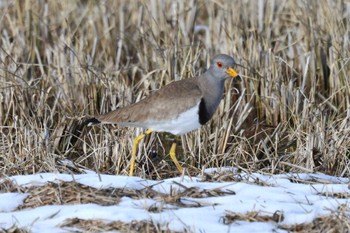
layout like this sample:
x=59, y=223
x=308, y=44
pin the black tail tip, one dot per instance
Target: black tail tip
x=92, y=121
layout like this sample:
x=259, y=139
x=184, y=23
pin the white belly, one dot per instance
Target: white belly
x=185, y=122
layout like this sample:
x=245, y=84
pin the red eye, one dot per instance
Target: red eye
x=219, y=64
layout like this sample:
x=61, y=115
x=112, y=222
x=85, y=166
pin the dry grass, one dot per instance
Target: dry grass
x=68, y=193
x=64, y=193
x=14, y=229
x=63, y=60
x=103, y=226
x=252, y=216
x=335, y=222
x=75, y=193
x=232, y=176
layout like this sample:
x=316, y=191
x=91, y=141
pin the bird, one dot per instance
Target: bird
x=177, y=108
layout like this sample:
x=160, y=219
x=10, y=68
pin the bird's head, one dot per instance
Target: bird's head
x=222, y=67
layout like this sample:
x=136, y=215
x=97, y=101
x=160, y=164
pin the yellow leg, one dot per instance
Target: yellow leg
x=134, y=150
x=173, y=157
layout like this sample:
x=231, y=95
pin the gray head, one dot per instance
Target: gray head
x=222, y=67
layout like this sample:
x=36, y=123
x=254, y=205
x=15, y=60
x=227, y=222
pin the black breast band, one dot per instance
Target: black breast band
x=204, y=115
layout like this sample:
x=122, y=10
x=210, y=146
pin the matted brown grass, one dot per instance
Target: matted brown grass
x=68, y=193
x=103, y=226
x=252, y=216
x=14, y=229
x=61, y=193
x=335, y=222
x=63, y=60
x=231, y=176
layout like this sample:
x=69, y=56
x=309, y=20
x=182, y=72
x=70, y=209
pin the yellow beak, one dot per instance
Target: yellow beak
x=231, y=72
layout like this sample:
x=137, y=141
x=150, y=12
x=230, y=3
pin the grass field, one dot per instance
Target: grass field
x=61, y=61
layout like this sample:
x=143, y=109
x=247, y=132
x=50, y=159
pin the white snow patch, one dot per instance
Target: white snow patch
x=297, y=196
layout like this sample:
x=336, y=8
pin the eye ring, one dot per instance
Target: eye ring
x=219, y=64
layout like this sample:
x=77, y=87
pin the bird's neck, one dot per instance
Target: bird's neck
x=213, y=91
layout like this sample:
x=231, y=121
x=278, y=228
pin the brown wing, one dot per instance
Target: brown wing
x=166, y=103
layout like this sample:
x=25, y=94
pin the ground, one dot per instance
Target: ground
x=278, y=144
x=219, y=200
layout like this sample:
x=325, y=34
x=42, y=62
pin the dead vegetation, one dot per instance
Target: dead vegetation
x=103, y=226
x=61, y=61
x=252, y=216
x=61, y=193
x=335, y=222
x=67, y=193
x=180, y=196
x=232, y=176
x=14, y=229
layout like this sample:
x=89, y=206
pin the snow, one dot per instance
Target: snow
x=300, y=202
x=10, y=201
